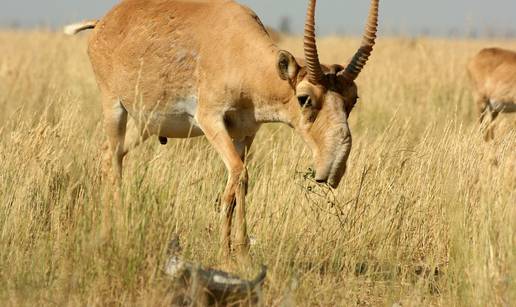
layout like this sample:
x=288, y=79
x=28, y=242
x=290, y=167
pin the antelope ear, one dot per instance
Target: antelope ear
x=287, y=66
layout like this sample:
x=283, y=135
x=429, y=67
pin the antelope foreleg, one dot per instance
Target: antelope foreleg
x=234, y=195
x=228, y=209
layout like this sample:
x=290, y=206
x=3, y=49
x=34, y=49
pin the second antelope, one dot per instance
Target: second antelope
x=493, y=73
x=209, y=68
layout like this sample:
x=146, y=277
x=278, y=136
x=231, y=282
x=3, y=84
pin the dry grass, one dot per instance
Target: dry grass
x=422, y=218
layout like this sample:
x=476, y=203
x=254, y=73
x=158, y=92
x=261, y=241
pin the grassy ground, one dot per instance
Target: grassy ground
x=423, y=217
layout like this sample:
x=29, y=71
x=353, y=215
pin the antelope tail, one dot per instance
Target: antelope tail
x=81, y=26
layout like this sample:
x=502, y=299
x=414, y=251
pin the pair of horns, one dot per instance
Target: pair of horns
x=357, y=63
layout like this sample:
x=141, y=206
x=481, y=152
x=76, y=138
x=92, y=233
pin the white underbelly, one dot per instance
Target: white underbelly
x=175, y=120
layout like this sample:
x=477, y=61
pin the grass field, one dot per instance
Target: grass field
x=425, y=216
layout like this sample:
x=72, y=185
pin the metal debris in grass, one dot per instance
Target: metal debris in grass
x=197, y=286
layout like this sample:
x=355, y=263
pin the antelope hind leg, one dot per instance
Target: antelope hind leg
x=135, y=136
x=115, y=125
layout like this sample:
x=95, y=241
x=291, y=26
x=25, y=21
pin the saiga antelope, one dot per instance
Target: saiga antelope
x=493, y=74
x=209, y=68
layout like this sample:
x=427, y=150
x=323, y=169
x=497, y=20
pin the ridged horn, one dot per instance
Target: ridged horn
x=315, y=73
x=360, y=58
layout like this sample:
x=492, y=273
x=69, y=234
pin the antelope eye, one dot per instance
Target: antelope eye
x=304, y=101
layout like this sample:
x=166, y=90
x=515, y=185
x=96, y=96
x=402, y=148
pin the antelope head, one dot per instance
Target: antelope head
x=324, y=97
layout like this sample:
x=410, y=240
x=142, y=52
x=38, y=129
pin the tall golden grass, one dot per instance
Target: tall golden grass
x=425, y=216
